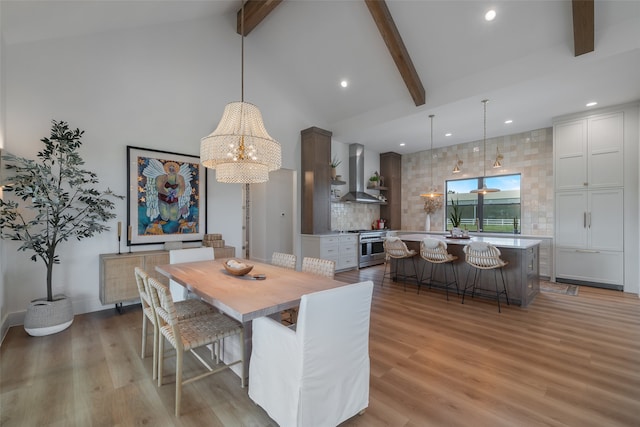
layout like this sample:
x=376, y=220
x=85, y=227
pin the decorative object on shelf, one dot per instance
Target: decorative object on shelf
x=167, y=197
x=71, y=209
x=374, y=180
x=456, y=167
x=334, y=164
x=431, y=205
x=484, y=189
x=455, y=216
x=240, y=149
x=432, y=191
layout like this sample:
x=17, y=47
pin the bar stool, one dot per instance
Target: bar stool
x=434, y=252
x=483, y=256
x=396, y=249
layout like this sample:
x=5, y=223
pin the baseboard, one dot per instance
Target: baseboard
x=592, y=284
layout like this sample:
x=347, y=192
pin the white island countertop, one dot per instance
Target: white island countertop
x=499, y=242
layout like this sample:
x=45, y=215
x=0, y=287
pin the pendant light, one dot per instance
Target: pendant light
x=484, y=189
x=432, y=192
x=240, y=149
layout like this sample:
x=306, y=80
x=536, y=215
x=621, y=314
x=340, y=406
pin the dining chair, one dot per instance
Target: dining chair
x=176, y=256
x=435, y=253
x=189, y=334
x=319, y=266
x=284, y=260
x=184, y=310
x=483, y=256
x=316, y=375
x=288, y=261
x=396, y=249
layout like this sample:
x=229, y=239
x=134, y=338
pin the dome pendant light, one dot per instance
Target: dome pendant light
x=432, y=192
x=240, y=149
x=484, y=189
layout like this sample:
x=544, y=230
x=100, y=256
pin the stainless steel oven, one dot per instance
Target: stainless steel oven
x=371, y=248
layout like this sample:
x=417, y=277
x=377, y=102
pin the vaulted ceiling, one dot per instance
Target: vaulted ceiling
x=524, y=61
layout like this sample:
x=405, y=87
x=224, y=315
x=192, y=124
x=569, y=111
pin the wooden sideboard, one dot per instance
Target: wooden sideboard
x=117, y=280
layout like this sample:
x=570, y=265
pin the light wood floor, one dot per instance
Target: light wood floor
x=563, y=361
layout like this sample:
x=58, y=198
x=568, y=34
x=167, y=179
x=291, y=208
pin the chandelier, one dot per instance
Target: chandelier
x=432, y=192
x=484, y=189
x=240, y=149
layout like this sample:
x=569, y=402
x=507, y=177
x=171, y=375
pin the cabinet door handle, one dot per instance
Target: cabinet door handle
x=587, y=251
x=589, y=219
x=584, y=220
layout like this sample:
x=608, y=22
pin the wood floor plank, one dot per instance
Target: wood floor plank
x=562, y=361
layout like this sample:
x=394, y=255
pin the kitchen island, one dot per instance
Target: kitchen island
x=521, y=274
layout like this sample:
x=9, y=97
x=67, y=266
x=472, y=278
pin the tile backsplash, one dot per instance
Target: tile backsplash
x=528, y=153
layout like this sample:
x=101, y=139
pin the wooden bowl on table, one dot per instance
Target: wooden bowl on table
x=237, y=268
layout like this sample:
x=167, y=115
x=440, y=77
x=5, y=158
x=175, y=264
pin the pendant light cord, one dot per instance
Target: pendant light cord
x=484, y=138
x=242, y=53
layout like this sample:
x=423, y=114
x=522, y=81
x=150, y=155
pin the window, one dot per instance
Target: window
x=497, y=212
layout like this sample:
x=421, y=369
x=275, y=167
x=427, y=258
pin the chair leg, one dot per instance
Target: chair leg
x=160, y=359
x=384, y=274
x=455, y=278
x=504, y=286
x=144, y=335
x=179, y=355
x=495, y=279
x=154, y=370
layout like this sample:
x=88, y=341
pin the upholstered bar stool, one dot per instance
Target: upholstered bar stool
x=483, y=256
x=396, y=249
x=434, y=252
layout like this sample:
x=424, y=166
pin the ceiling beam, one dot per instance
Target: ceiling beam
x=254, y=12
x=583, y=26
x=397, y=49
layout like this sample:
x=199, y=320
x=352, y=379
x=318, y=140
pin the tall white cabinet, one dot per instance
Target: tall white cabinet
x=589, y=170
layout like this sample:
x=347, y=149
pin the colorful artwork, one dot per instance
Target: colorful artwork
x=166, y=200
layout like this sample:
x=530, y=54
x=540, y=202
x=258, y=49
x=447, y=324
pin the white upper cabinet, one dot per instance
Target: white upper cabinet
x=589, y=152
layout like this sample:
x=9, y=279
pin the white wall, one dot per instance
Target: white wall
x=162, y=87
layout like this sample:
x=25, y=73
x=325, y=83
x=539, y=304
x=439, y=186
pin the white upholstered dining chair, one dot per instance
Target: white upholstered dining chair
x=318, y=374
x=179, y=292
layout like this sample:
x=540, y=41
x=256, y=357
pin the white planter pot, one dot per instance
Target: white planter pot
x=48, y=317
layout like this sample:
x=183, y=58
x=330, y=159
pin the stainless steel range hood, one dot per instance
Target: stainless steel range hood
x=356, y=177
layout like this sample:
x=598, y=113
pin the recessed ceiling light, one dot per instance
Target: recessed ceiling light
x=591, y=104
x=402, y=144
x=508, y=122
x=448, y=134
x=344, y=83
x=490, y=15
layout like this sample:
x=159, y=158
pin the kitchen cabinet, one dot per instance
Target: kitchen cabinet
x=341, y=248
x=589, y=199
x=391, y=170
x=590, y=219
x=316, y=181
x=589, y=152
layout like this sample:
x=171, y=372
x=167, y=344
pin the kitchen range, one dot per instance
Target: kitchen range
x=371, y=249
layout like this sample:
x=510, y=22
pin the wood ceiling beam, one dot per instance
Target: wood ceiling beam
x=583, y=26
x=254, y=12
x=397, y=49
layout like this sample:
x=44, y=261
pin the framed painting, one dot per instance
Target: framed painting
x=167, y=197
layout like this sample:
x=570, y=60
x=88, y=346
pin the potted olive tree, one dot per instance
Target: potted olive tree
x=55, y=200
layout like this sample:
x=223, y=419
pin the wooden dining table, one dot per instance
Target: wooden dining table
x=245, y=298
